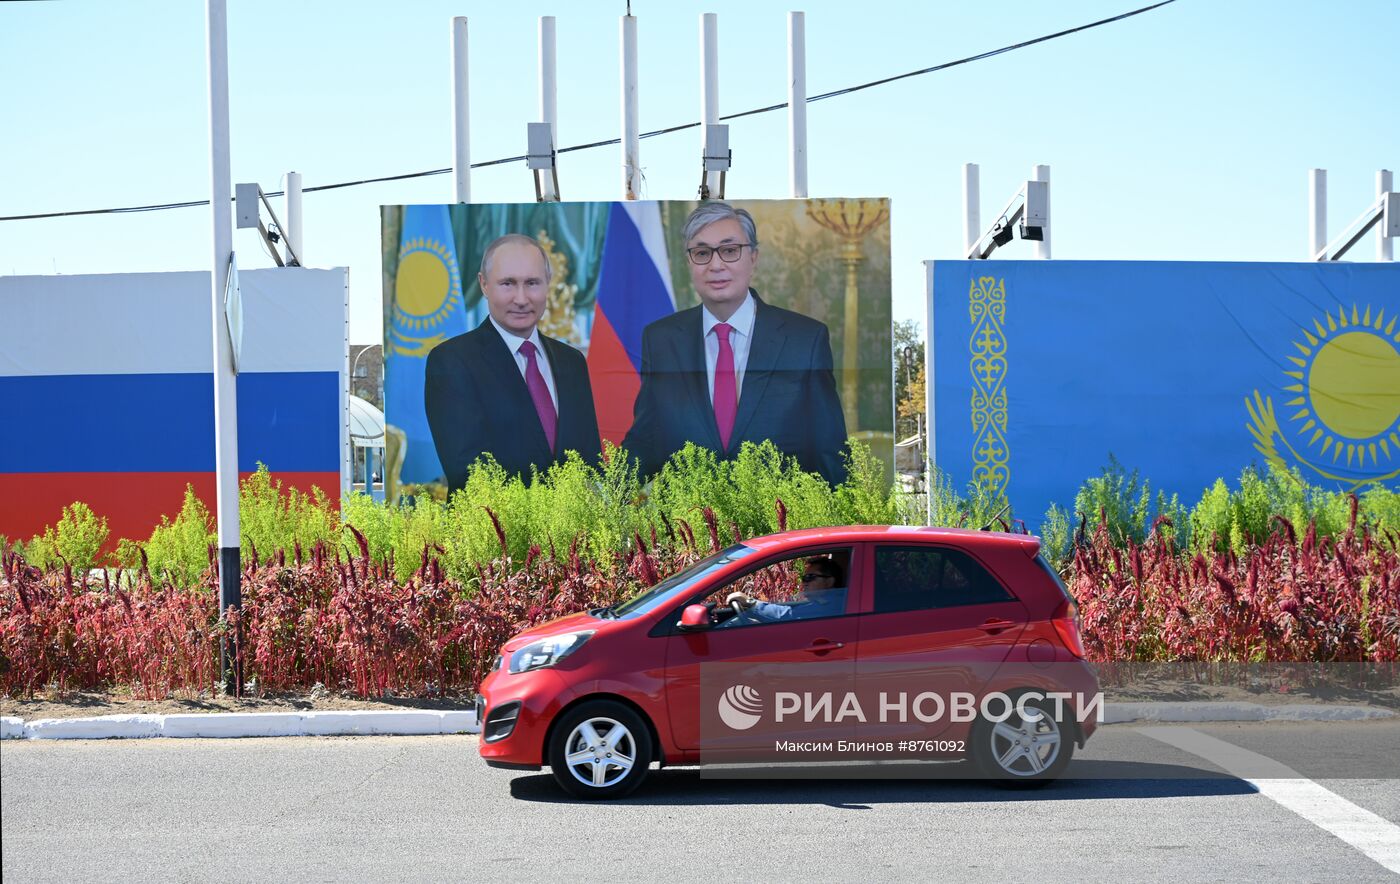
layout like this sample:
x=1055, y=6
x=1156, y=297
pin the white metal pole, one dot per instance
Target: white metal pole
x=1042, y=248
x=293, y=207
x=225, y=382
x=709, y=85
x=549, y=97
x=461, y=152
x=1385, y=183
x=972, y=206
x=797, y=101
x=631, y=131
x=1317, y=212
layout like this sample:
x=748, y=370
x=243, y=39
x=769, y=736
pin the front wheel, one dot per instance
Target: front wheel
x=600, y=749
x=1026, y=750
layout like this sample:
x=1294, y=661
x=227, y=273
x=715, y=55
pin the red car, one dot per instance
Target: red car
x=946, y=616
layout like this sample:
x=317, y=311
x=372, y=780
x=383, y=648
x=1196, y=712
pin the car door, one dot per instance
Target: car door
x=937, y=621
x=804, y=656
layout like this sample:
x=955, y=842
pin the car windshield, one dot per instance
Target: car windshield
x=677, y=583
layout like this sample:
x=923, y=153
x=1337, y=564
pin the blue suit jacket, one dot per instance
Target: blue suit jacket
x=477, y=403
x=788, y=393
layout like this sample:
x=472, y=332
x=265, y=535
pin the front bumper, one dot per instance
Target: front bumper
x=515, y=711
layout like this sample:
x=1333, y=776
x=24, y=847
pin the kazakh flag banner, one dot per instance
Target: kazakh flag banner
x=426, y=309
x=1188, y=372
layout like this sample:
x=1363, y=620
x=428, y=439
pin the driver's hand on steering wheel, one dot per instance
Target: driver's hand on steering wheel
x=742, y=598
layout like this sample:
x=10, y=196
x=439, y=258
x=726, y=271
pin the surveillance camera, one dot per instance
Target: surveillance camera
x=1031, y=232
x=1002, y=233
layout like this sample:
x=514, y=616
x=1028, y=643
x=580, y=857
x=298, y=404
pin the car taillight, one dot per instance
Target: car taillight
x=1066, y=622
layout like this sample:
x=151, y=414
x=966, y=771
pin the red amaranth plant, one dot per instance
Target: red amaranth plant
x=342, y=621
x=1287, y=600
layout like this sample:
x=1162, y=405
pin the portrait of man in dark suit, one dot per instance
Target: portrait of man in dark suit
x=504, y=389
x=735, y=369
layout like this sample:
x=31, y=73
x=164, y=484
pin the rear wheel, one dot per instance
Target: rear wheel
x=600, y=749
x=1026, y=750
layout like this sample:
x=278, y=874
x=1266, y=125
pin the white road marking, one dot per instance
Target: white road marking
x=1373, y=835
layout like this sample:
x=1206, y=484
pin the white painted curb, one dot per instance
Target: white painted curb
x=1116, y=713
x=246, y=724
x=426, y=721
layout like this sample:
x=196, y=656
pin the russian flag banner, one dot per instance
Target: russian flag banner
x=634, y=289
x=109, y=381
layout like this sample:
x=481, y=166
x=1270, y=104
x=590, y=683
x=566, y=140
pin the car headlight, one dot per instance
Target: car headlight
x=547, y=651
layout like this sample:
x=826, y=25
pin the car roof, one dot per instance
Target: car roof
x=1029, y=543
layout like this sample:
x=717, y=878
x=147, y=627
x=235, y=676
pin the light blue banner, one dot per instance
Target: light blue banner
x=1186, y=371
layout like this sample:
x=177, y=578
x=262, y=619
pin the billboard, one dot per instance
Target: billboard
x=108, y=379
x=1042, y=370
x=526, y=331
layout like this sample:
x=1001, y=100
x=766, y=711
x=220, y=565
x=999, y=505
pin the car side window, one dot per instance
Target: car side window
x=916, y=578
x=804, y=587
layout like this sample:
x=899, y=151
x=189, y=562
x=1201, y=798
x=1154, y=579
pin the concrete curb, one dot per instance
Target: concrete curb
x=1116, y=713
x=409, y=722
x=417, y=722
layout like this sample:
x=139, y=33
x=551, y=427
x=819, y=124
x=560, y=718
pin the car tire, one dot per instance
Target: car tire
x=600, y=749
x=1022, y=753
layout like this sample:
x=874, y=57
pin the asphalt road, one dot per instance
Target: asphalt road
x=426, y=808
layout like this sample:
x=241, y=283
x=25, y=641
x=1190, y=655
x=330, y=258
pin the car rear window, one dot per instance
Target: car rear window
x=1054, y=575
x=913, y=578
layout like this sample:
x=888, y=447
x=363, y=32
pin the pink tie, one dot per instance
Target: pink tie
x=726, y=394
x=539, y=392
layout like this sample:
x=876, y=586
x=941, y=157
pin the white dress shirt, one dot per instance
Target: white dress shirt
x=739, y=339
x=513, y=342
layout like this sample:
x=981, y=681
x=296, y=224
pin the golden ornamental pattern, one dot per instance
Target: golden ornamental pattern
x=990, y=453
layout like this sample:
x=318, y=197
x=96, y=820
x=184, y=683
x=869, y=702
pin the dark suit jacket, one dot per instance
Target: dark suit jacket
x=477, y=403
x=788, y=393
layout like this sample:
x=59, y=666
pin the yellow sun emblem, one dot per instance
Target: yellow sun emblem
x=427, y=289
x=1345, y=387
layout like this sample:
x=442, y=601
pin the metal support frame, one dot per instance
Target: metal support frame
x=1384, y=212
x=716, y=158
x=540, y=160
x=251, y=195
x=1383, y=216
x=1029, y=207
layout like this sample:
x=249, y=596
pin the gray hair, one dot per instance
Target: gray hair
x=520, y=239
x=708, y=213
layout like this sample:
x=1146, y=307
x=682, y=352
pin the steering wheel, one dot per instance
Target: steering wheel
x=738, y=606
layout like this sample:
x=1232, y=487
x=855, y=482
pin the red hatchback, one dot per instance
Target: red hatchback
x=974, y=628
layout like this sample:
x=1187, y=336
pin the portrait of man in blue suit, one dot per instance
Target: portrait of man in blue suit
x=735, y=369
x=504, y=389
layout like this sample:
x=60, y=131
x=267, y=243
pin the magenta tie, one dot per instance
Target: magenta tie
x=539, y=392
x=726, y=392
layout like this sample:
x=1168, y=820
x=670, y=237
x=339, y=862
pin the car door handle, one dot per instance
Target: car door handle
x=993, y=626
x=824, y=646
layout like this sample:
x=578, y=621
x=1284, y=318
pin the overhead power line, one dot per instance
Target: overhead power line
x=158, y=207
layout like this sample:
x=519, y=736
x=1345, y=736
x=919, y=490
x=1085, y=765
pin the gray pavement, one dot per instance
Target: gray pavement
x=427, y=808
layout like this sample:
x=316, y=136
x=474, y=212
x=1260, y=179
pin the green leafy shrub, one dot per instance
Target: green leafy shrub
x=1119, y=499
x=865, y=497
x=76, y=540
x=1055, y=536
x=178, y=550
x=270, y=519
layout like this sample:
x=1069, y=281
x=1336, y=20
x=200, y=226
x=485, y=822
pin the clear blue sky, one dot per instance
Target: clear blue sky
x=1182, y=134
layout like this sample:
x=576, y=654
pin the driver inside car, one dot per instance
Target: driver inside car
x=822, y=591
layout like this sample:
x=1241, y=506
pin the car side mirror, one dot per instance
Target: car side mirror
x=694, y=617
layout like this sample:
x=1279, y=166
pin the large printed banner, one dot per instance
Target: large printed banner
x=1186, y=371
x=524, y=332
x=107, y=385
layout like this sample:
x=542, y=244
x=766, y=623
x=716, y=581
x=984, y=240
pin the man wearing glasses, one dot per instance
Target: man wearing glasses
x=735, y=369
x=823, y=595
